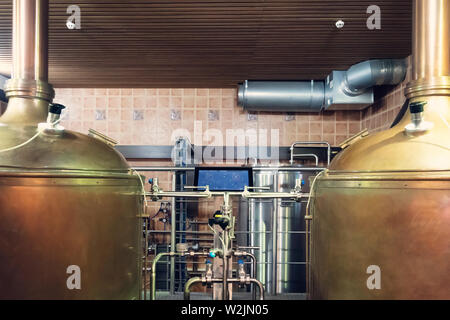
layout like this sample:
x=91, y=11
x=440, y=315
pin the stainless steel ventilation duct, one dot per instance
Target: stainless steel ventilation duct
x=285, y=95
x=351, y=89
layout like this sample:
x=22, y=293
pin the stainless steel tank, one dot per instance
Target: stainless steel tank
x=381, y=214
x=69, y=204
x=265, y=216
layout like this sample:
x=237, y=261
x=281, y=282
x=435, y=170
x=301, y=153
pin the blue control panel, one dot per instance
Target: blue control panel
x=223, y=179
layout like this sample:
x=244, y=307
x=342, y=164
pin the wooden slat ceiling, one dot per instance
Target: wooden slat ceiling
x=210, y=43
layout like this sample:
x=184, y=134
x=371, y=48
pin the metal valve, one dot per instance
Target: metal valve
x=53, y=118
x=418, y=124
x=241, y=273
x=209, y=273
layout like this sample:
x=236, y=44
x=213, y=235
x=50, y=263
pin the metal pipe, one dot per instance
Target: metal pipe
x=431, y=45
x=244, y=194
x=225, y=276
x=196, y=254
x=172, y=255
x=274, y=195
x=30, y=40
x=187, y=287
x=24, y=36
x=275, y=216
x=155, y=261
x=194, y=280
x=308, y=260
x=282, y=96
x=260, y=286
x=308, y=155
x=185, y=232
x=297, y=143
x=296, y=96
x=181, y=194
x=254, y=267
x=286, y=168
x=145, y=258
x=206, y=233
x=41, y=43
x=173, y=237
x=158, y=168
x=155, y=169
x=28, y=91
x=225, y=213
x=431, y=49
x=280, y=263
x=367, y=74
x=251, y=280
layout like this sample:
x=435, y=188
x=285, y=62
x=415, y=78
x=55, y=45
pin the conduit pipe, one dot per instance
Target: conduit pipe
x=341, y=87
x=192, y=281
x=254, y=267
x=155, y=261
x=171, y=255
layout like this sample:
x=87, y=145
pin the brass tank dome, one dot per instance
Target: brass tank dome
x=69, y=203
x=380, y=225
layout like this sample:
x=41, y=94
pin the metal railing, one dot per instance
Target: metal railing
x=299, y=143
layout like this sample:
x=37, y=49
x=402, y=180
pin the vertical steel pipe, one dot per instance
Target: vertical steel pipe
x=173, y=235
x=275, y=237
x=154, y=263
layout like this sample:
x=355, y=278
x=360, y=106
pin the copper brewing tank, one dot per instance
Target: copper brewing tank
x=385, y=201
x=67, y=200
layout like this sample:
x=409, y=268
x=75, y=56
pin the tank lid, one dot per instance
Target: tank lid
x=397, y=150
x=64, y=152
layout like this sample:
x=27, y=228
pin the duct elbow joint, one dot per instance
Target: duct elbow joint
x=367, y=74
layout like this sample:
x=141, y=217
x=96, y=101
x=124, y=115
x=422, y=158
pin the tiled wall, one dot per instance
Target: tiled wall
x=150, y=116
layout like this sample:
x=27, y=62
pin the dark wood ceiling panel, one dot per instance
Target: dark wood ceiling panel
x=212, y=43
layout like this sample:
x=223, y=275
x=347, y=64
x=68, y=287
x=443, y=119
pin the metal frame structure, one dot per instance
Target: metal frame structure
x=195, y=194
x=180, y=168
x=226, y=251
